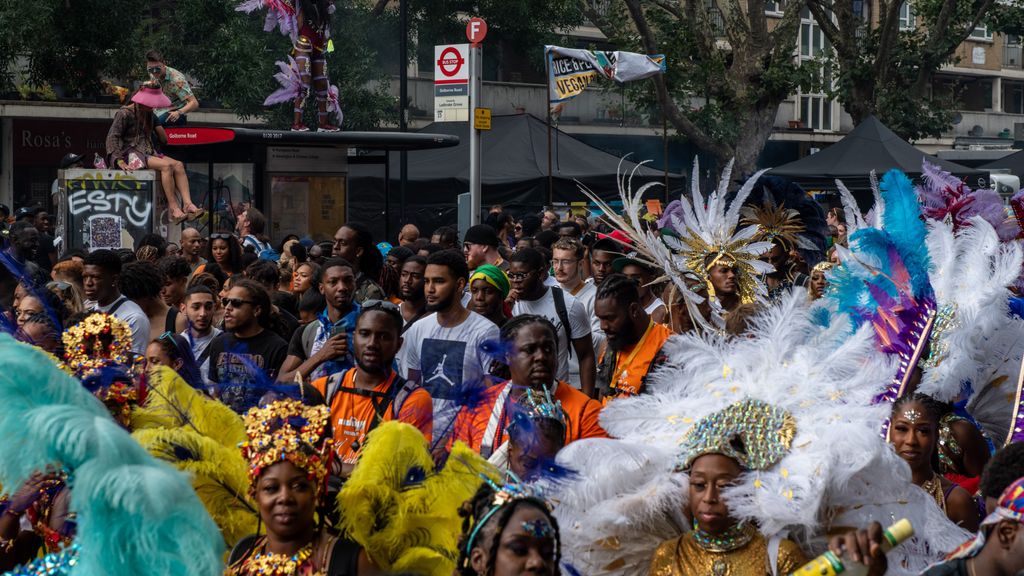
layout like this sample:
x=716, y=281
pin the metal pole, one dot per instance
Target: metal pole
x=547, y=106
x=664, y=137
x=475, y=58
x=403, y=102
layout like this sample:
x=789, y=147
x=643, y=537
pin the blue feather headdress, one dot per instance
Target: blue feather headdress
x=883, y=279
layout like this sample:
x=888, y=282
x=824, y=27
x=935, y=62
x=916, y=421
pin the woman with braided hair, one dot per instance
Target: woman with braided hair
x=914, y=435
x=506, y=531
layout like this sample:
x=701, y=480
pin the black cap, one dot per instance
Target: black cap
x=27, y=212
x=69, y=160
x=482, y=234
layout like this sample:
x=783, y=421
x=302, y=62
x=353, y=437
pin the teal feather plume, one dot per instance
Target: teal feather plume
x=135, y=515
x=906, y=228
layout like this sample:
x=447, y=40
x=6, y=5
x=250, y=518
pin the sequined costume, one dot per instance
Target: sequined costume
x=307, y=23
x=746, y=554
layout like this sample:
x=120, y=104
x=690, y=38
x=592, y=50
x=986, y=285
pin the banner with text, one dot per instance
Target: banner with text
x=570, y=70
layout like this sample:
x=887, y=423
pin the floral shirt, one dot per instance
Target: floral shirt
x=176, y=88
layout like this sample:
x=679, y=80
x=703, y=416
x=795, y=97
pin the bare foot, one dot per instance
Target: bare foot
x=177, y=216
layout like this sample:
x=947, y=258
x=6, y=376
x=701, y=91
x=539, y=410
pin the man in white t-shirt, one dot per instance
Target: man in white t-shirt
x=101, y=273
x=198, y=306
x=443, y=350
x=567, y=262
x=531, y=296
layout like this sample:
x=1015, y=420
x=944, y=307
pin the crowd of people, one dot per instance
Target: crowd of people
x=732, y=385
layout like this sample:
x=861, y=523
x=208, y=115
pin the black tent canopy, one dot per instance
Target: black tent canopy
x=514, y=160
x=1012, y=162
x=870, y=146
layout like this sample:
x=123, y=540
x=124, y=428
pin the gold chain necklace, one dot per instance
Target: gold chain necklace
x=933, y=486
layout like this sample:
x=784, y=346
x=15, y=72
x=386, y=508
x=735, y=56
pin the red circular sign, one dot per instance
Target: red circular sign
x=450, y=61
x=476, y=30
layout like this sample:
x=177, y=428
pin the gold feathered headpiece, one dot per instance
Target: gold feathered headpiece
x=775, y=223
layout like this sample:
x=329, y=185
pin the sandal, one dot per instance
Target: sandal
x=178, y=219
x=195, y=213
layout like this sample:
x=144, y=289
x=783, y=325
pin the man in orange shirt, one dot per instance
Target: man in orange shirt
x=634, y=341
x=532, y=361
x=360, y=398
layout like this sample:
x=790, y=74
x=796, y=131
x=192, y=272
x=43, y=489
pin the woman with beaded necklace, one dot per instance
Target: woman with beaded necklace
x=914, y=435
x=287, y=450
x=506, y=531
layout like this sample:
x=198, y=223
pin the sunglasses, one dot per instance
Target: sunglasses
x=380, y=305
x=220, y=236
x=154, y=69
x=235, y=302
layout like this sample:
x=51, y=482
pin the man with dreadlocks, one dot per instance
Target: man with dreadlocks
x=531, y=356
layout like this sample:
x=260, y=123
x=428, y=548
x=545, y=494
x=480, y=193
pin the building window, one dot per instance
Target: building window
x=815, y=109
x=981, y=33
x=812, y=40
x=816, y=112
x=908, y=20
x=773, y=6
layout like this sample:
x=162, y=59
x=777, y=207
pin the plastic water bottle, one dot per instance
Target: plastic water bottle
x=828, y=564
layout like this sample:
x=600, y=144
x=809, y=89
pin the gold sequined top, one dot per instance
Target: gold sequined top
x=683, y=556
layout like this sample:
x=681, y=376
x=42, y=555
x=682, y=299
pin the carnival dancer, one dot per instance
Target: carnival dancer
x=130, y=147
x=942, y=311
x=819, y=280
x=785, y=229
x=308, y=24
x=532, y=360
x=288, y=452
x=536, y=432
x=744, y=438
x=508, y=530
x=698, y=236
x=754, y=438
x=122, y=527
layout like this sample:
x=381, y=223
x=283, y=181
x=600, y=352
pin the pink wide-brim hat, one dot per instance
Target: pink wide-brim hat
x=151, y=97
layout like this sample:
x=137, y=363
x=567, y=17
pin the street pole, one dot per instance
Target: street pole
x=547, y=107
x=475, y=58
x=403, y=103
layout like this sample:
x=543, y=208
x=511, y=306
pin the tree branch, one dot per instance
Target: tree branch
x=670, y=7
x=822, y=19
x=668, y=104
x=378, y=7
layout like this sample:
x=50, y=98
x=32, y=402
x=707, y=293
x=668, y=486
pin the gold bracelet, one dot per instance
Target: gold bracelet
x=7, y=545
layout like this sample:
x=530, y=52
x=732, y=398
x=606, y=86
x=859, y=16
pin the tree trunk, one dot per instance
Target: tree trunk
x=756, y=130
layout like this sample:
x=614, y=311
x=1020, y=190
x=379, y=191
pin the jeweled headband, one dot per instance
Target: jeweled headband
x=84, y=349
x=287, y=430
x=755, y=434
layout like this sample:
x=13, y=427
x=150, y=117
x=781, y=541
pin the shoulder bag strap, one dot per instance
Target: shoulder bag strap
x=563, y=315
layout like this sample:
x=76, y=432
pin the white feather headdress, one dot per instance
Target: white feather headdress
x=694, y=233
x=970, y=273
x=838, y=471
